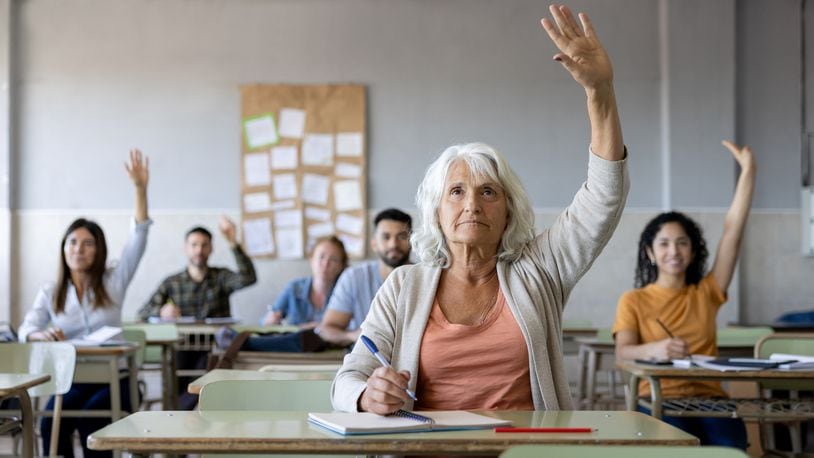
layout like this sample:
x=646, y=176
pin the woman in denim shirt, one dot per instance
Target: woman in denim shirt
x=303, y=301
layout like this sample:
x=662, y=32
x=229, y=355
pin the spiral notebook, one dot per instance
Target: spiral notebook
x=403, y=421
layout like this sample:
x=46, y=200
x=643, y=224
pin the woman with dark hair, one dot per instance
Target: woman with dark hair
x=87, y=296
x=675, y=296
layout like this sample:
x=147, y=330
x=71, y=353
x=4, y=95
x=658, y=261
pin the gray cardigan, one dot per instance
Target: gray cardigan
x=536, y=287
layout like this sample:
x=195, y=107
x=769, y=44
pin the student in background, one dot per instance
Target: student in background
x=350, y=299
x=87, y=296
x=200, y=291
x=674, y=288
x=303, y=301
x=477, y=323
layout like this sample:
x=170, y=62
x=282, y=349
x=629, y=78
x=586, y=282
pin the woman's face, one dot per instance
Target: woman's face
x=672, y=249
x=326, y=262
x=473, y=211
x=80, y=250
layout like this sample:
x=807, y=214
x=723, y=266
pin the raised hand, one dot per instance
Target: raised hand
x=228, y=229
x=743, y=155
x=581, y=53
x=138, y=168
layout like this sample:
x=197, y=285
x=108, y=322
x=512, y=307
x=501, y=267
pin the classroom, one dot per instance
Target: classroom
x=84, y=81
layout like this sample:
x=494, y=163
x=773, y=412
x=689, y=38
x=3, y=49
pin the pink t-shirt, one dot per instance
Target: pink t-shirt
x=485, y=366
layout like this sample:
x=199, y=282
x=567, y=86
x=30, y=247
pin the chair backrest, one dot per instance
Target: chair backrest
x=604, y=335
x=620, y=451
x=136, y=336
x=795, y=344
x=57, y=359
x=741, y=336
x=311, y=395
x=159, y=331
x=576, y=323
x=331, y=367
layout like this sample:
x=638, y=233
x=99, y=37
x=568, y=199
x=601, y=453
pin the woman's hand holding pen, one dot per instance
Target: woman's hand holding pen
x=670, y=348
x=47, y=335
x=385, y=392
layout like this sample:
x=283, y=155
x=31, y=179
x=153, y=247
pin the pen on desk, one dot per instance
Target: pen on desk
x=543, y=430
x=373, y=349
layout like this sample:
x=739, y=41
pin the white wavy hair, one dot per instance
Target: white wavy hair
x=483, y=161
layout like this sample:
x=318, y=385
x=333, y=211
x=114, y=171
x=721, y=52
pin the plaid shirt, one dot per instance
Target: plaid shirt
x=207, y=299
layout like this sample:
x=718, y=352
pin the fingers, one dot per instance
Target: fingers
x=733, y=148
x=385, y=391
x=587, y=25
x=58, y=334
x=565, y=21
x=677, y=348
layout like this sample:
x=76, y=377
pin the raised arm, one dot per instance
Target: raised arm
x=583, y=56
x=246, y=274
x=138, y=169
x=735, y=221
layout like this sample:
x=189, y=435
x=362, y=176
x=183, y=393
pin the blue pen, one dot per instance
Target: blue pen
x=373, y=349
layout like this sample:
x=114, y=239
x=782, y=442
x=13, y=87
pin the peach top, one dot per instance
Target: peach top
x=484, y=366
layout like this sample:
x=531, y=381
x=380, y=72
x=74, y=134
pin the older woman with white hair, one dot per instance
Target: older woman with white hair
x=477, y=323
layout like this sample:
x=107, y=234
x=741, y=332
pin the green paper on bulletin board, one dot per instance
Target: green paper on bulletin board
x=260, y=131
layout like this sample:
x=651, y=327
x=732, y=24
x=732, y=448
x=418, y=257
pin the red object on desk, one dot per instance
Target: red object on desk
x=543, y=430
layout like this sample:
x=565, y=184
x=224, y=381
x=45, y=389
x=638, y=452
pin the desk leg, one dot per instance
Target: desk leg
x=583, y=375
x=633, y=398
x=28, y=424
x=591, y=391
x=655, y=397
x=133, y=383
x=115, y=393
x=165, y=378
x=173, y=378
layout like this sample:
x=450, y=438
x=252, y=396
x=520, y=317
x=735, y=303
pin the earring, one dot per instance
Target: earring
x=652, y=263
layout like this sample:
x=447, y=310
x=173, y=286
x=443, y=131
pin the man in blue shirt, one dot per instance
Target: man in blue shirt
x=357, y=286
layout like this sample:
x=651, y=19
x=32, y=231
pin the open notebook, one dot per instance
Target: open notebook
x=106, y=335
x=403, y=421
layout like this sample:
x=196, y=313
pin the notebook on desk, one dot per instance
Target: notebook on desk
x=403, y=422
x=104, y=336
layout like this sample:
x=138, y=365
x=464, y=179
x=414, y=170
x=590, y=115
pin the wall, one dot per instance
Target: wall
x=95, y=78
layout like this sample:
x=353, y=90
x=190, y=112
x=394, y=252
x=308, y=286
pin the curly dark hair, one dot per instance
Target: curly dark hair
x=647, y=272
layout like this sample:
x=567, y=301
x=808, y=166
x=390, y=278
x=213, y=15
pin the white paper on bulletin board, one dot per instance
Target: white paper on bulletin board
x=303, y=167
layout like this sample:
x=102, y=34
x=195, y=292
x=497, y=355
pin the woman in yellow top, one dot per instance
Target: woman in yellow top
x=673, y=288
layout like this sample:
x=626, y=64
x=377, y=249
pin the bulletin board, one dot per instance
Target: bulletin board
x=303, y=168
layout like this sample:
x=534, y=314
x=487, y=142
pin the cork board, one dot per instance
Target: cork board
x=303, y=168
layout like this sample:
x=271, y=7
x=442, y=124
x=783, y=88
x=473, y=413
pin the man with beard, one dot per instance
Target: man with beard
x=199, y=291
x=349, y=303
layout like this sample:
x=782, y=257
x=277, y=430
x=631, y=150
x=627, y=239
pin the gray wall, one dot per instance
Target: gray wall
x=94, y=78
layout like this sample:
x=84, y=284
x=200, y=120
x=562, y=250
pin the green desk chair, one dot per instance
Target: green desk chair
x=795, y=344
x=154, y=360
x=57, y=359
x=328, y=368
x=161, y=331
x=741, y=336
x=310, y=395
x=619, y=451
x=138, y=337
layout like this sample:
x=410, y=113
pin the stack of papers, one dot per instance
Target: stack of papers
x=801, y=362
x=102, y=336
x=180, y=319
